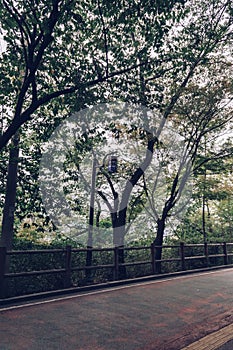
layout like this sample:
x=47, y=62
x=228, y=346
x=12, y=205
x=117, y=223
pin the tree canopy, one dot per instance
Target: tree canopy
x=174, y=57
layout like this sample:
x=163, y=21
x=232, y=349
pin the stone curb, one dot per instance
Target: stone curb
x=213, y=341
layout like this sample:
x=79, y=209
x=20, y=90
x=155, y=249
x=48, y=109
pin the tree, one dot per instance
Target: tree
x=218, y=214
x=41, y=37
x=211, y=199
x=154, y=65
x=203, y=110
x=210, y=121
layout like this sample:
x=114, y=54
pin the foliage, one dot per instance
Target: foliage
x=216, y=189
x=60, y=57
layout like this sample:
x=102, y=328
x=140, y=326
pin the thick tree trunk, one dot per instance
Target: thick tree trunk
x=118, y=224
x=7, y=234
x=159, y=242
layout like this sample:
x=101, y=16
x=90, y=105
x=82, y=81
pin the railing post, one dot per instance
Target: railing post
x=3, y=251
x=153, y=264
x=67, y=281
x=182, y=256
x=116, y=264
x=225, y=253
x=206, y=254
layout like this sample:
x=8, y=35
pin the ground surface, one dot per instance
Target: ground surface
x=161, y=315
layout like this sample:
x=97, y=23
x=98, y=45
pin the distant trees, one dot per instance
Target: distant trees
x=209, y=217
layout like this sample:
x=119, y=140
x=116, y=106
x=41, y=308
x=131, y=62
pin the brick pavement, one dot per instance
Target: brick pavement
x=160, y=315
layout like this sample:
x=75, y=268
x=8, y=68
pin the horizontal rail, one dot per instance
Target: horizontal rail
x=95, y=267
x=195, y=257
x=134, y=248
x=34, y=273
x=39, y=251
x=216, y=255
x=136, y=263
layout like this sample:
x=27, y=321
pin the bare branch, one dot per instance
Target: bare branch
x=102, y=195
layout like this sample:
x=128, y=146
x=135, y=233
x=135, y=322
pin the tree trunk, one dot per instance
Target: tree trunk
x=118, y=224
x=204, y=210
x=7, y=235
x=159, y=242
x=204, y=203
x=89, y=272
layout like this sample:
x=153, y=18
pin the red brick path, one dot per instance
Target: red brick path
x=160, y=315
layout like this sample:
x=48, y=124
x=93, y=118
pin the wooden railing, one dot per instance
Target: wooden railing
x=182, y=256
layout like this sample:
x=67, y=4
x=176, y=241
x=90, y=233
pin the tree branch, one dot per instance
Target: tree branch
x=105, y=38
x=21, y=118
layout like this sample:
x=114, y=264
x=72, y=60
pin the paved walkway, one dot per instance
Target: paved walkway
x=166, y=314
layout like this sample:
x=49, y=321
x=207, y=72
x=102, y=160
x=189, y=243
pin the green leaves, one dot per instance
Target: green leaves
x=63, y=56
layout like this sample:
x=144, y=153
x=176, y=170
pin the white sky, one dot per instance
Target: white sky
x=2, y=44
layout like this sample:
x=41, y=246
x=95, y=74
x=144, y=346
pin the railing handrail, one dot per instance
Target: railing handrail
x=60, y=250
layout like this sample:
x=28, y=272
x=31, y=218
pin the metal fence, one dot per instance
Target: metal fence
x=35, y=271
